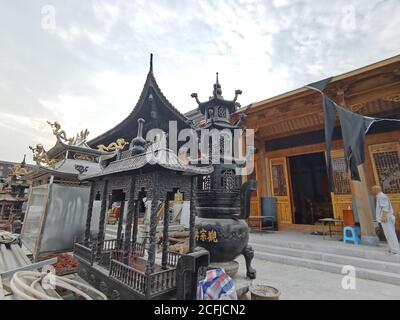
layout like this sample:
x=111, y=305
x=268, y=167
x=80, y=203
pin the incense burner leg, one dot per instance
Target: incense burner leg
x=248, y=254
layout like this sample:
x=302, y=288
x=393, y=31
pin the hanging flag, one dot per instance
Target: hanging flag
x=354, y=128
x=320, y=85
x=329, y=119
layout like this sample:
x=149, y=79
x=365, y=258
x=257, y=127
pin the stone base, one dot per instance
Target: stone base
x=242, y=285
x=370, y=241
x=231, y=268
x=241, y=282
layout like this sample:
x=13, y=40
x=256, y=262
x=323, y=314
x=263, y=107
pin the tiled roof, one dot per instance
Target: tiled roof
x=153, y=155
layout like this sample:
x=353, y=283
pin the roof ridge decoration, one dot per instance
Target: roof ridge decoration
x=217, y=111
x=118, y=145
x=138, y=143
x=62, y=136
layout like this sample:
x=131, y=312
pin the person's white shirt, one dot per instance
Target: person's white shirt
x=383, y=204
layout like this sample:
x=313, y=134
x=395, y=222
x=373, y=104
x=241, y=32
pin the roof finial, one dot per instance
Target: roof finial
x=151, y=62
x=137, y=143
x=217, y=92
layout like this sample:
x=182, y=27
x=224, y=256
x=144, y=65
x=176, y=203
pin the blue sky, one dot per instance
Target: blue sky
x=84, y=63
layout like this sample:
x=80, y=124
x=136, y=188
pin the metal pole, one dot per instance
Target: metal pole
x=89, y=213
x=100, y=237
x=128, y=225
x=121, y=216
x=192, y=220
x=164, y=258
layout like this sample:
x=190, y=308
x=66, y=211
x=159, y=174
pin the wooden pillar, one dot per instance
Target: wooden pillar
x=103, y=211
x=89, y=213
x=128, y=224
x=192, y=218
x=164, y=258
x=121, y=217
x=267, y=167
x=361, y=194
x=262, y=178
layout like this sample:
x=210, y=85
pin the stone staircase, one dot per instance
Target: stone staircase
x=330, y=256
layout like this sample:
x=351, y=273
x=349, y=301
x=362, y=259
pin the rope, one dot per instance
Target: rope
x=7, y=237
x=28, y=285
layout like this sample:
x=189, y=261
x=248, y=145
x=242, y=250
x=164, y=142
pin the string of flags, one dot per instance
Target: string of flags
x=354, y=128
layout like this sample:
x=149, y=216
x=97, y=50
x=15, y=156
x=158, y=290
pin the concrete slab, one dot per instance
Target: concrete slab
x=298, y=283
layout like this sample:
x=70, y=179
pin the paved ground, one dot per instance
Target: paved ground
x=297, y=283
x=300, y=283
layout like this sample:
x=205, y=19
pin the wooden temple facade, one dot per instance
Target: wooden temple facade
x=291, y=161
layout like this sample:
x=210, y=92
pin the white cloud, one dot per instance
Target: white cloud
x=89, y=71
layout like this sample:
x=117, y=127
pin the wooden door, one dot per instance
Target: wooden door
x=254, y=201
x=385, y=160
x=281, y=189
x=341, y=195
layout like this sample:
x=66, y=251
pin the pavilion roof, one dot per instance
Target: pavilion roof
x=154, y=155
x=130, y=120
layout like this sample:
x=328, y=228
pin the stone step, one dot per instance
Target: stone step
x=371, y=264
x=361, y=273
x=338, y=248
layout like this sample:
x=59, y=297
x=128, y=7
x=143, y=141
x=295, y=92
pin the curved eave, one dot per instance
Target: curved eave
x=41, y=171
x=187, y=171
x=83, y=147
x=150, y=83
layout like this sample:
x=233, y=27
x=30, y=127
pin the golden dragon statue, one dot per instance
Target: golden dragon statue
x=61, y=135
x=114, y=146
x=19, y=170
x=40, y=156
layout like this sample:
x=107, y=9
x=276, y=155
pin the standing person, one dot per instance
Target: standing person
x=385, y=216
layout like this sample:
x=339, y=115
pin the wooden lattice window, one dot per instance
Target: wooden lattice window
x=221, y=112
x=228, y=179
x=204, y=183
x=386, y=162
x=279, y=180
x=341, y=182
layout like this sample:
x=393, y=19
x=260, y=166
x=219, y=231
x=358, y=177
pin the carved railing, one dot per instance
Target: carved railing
x=109, y=245
x=172, y=259
x=84, y=253
x=138, y=249
x=163, y=281
x=128, y=276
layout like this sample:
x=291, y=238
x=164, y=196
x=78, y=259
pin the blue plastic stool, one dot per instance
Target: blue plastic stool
x=351, y=234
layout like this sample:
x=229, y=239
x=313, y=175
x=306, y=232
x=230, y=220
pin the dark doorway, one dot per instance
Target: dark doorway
x=311, y=197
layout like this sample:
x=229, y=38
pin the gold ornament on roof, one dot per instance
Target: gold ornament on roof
x=114, y=146
x=40, y=156
x=61, y=135
x=19, y=170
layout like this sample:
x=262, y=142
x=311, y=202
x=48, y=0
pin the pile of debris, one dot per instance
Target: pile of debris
x=179, y=242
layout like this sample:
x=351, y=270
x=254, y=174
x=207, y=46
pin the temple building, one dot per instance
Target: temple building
x=291, y=161
x=57, y=202
x=13, y=190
